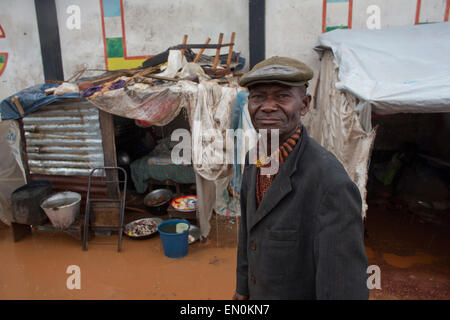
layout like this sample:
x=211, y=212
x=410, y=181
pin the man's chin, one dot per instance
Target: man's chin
x=269, y=127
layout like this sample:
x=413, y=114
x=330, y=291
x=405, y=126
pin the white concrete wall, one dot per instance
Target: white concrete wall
x=82, y=47
x=292, y=27
x=154, y=25
x=21, y=42
x=151, y=26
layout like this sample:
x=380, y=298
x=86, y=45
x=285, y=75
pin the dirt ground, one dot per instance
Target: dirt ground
x=412, y=254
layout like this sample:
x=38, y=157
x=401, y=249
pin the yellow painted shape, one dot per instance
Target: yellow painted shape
x=122, y=63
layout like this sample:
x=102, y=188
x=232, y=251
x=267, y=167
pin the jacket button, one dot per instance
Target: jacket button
x=253, y=245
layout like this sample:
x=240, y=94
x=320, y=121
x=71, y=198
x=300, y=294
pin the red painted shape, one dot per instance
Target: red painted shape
x=104, y=34
x=447, y=11
x=419, y=5
x=324, y=16
x=124, y=41
x=350, y=14
x=2, y=32
x=122, y=15
x=6, y=60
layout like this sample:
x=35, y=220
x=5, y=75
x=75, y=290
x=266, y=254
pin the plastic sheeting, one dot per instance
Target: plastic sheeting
x=11, y=174
x=334, y=123
x=210, y=120
x=393, y=70
x=31, y=99
x=157, y=105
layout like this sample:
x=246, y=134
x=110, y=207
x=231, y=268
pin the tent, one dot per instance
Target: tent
x=388, y=71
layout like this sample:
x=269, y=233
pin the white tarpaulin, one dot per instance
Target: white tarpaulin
x=393, y=70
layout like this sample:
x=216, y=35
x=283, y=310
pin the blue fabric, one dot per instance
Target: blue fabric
x=31, y=99
x=236, y=123
x=141, y=171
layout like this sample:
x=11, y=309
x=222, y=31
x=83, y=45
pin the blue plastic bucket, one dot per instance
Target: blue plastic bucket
x=175, y=243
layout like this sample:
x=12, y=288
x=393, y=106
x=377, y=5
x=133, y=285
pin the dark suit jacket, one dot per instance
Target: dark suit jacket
x=305, y=240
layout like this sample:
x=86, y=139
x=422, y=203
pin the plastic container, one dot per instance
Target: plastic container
x=174, y=236
x=26, y=202
x=62, y=208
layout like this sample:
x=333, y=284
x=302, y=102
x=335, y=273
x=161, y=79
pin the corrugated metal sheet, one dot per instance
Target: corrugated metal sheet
x=64, y=139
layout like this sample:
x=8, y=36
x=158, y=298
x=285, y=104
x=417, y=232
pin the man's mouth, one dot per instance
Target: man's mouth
x=269, y=121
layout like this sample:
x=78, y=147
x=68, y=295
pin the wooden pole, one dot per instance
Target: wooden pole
x=184, y=42
x=197, y=57
x=216, y=59
x=230, y=51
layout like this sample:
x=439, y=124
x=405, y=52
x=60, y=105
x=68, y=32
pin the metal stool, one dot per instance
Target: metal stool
x=106, y=213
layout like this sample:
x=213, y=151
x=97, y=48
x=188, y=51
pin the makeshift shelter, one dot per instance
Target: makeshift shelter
x=66, y=139
x=365, y=72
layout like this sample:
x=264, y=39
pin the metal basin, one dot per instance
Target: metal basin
x=62, y=208
x=158, y=200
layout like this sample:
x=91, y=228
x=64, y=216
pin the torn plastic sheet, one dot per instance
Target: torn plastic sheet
x=157, y=105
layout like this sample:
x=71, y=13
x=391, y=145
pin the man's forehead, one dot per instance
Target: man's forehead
x=269, y=86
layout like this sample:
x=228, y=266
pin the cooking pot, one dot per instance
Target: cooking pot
x=158, y=200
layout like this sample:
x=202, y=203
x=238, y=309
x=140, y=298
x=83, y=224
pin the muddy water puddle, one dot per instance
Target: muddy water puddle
x=36, y=268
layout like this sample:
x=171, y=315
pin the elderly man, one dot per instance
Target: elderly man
x=301, y=231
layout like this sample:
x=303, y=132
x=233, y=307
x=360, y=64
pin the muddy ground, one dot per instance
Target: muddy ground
x=411, y=252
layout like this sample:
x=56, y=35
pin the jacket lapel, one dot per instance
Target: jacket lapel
x=279, y=188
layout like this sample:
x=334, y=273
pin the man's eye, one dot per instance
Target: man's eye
x=283, y=96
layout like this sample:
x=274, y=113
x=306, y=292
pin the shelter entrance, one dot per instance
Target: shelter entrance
x=408, y=218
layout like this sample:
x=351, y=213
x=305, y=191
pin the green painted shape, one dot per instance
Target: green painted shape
x=114, y=47
x=335, y=27
x=2, y=58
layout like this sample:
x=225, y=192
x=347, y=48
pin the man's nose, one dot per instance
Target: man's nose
x=269, y=105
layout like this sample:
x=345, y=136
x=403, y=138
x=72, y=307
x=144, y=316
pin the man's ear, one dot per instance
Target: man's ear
x=306, y=101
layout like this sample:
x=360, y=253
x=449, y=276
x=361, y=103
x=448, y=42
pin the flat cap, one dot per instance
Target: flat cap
x=276, y=69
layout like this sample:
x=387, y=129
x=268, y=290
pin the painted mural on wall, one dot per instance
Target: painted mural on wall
x=338, y=14
x=3, y=55
x=117, y=34
x=114, y=37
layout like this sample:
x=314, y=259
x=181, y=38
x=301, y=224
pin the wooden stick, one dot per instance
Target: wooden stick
x=184, y=42
x=230, y=51
x=16, y=101
x=146, y=71
x=161, y=78
x=216, y=59
x=197, y=57
x=199, y=46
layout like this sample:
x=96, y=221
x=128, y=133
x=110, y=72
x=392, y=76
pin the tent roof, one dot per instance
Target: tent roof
x=396, y=69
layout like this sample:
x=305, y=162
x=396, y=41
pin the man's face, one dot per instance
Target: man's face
x=277, y=106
